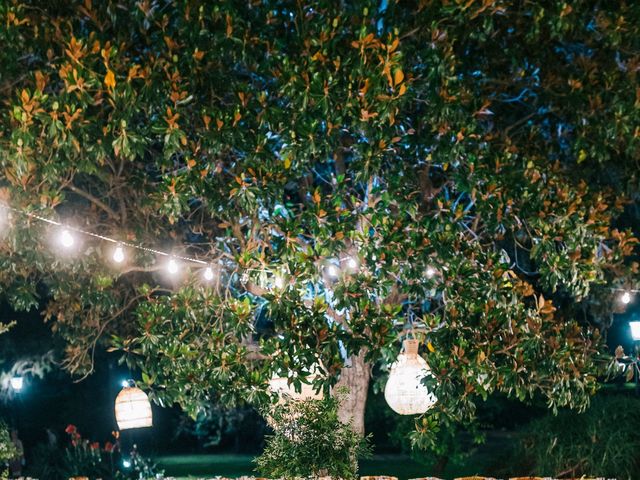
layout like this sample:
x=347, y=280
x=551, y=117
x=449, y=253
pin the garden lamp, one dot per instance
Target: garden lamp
x=17, y=383
x=133, y=409
x=405, y=392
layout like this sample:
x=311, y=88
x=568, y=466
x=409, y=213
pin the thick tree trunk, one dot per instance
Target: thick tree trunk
x=355, y=376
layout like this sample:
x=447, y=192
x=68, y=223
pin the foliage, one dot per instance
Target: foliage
x=83, y=458
x=603, y=441
x=217, y=426
x=452, y=444
x=493, y=141
x=46, y=462
x=310, y=441
x=28, y=367
x=7, y=449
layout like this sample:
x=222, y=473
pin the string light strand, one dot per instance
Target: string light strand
x=105, y=238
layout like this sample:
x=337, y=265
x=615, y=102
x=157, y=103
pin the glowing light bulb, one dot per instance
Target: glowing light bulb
x=332, y=271
x=118, y=254
x=172, y=266
x=430, y=272
x=626, y=298
x=352, y=264
x=17, y=383
x=126, y=463
x=66, y=239
x=208, y=274
x=279, y=282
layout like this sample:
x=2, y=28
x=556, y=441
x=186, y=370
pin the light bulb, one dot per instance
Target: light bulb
x=118, y=254
x=66, y=239
x=172, y=266
x=126, y=463
x=17, y=383
x=208, y=274
x=626, y=298
x=430, y=272
x=332, y=271
x=352, y=264
x=279, y=281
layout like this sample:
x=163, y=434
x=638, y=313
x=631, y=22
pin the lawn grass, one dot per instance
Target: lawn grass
x=186, y=466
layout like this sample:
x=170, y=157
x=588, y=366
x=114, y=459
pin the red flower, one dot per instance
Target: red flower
x=95, y=446
x=109, y=447
x=71, y=429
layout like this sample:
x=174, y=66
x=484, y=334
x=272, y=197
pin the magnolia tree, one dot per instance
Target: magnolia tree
x=353, y=171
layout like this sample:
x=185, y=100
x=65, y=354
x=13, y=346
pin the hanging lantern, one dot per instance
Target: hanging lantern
x=405, y=393
x=281, y=386
x=133, y=409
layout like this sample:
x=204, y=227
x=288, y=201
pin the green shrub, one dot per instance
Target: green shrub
x=603, y=441
x=7, y=449
x=310, y=441
x=83, y=458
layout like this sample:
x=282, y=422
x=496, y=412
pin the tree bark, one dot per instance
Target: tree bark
x=355, y=376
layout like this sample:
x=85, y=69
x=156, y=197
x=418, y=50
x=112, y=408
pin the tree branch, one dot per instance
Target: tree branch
x=97, y=202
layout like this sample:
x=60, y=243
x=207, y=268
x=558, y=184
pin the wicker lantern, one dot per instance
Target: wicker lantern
x=281, y=386
x=405, y=393
x=133, y=409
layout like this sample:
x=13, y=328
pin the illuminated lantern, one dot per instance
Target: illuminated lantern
x=17, y=383
x=281, y=386
x=133, y=409
x=405, y=393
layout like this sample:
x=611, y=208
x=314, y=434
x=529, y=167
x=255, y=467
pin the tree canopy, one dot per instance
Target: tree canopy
x=469, y=168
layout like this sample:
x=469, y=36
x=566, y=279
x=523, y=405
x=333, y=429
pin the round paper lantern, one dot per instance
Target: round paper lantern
x=405, y=393
x=133, y=409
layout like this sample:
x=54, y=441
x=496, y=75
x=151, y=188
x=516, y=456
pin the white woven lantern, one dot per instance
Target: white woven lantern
x=133, y=409
x=405, y=393
x=280, y=385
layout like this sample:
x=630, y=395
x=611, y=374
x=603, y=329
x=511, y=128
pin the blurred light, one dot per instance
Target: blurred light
x=352, y=264
x=126, y=463
x=208, y=274
x=118, y=254
x=430, y=272
x=125, y=383
x=635, y=330
x=66, y=238
x=626, y=298
x=279, y=282
x=172, y=266
x=17, y=383
x=332, y=271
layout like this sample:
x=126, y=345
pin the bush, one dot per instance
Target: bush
x=310, y=441
x=603, y=441
x=83, y=458
x=7, y=449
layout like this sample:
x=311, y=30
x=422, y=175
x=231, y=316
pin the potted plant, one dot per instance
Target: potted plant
x=310, y=441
